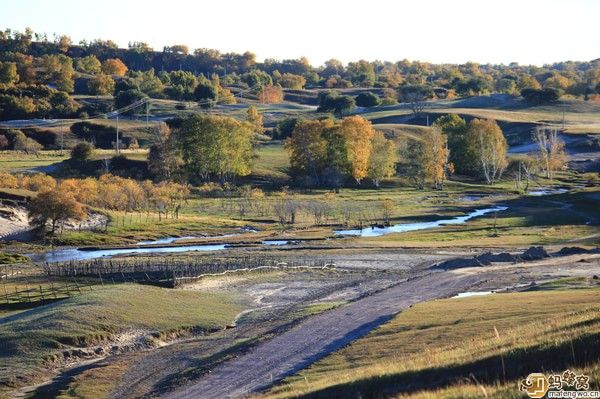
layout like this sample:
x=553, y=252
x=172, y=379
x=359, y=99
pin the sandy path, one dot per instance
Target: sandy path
x=321, y=335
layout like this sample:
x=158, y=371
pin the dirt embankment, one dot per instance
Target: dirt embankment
x=14, y=222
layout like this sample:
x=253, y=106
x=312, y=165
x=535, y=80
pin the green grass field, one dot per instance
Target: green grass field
x=579, y=116
x=11, y=161
x=33, y=339
x=455, y=348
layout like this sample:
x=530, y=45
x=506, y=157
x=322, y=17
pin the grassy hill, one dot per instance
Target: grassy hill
x=32, y=340
x=467, y=347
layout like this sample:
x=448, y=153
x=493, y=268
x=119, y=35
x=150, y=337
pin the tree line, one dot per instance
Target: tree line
x=29, y=59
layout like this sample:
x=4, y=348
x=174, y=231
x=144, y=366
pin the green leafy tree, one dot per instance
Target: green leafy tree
x=337, y=104
x=101, y=85
x=8, y=73
x=128, y=97
x=216, y=146
x=182, y=86
x=82, y=152
x=89, y=64
x=147, y=82
x=461, y=156
x=58, y=70
x=361, y=73
x=206, y=94
x=367, y=99
x=284, y=128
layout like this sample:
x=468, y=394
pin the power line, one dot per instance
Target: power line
x=109, y=115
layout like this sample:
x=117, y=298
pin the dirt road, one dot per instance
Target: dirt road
x=321, y=335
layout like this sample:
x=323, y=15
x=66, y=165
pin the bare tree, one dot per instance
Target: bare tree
x=416, y=96
x=318, y=209
x=551, y=150
x=286, y=210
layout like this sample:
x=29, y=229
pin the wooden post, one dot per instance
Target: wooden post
x=53, y=289
x=76, y=285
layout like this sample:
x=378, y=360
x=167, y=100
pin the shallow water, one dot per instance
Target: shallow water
x=65, y=255
x=276, y=242
x=546, y=191
x=404, y=227
x=165, y=240
x=470, y=198
x=472, y=293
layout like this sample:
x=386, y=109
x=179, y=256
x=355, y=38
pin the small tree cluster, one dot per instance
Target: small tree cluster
x=323, y=152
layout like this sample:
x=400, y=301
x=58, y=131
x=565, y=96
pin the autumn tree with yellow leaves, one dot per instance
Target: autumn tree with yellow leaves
x=270, y=94
x=255, y=118
x=323, y=152
x=114, y=66
x=384, y=155
x=489, y=148
x=358, y=133
x=427, y=159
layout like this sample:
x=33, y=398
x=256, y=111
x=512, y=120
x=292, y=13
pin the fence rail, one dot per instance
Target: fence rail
x=62, y=280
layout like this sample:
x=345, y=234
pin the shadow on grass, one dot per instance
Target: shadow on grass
x=60, y=382
x=580, y=352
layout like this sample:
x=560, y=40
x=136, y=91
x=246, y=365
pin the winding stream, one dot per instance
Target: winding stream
x=74, y=254
x=404, y=227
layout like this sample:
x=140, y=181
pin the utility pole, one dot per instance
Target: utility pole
x=117, y=142
x=147, y=110
x=62, y=138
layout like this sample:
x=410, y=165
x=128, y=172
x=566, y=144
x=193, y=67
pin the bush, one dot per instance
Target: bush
x=47, y=138
x=82, y=152
x=367, y=99
x=543, y=96
x=99, y=135
x=335, y=103
x=8, y=181
x=124, y=167
x=128, y=97
x=284, y=128
x=206, y=94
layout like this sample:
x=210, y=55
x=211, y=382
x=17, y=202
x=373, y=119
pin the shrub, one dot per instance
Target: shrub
x=542, y=96
x=367, y=99
x=82, y=152
x=284, y=128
